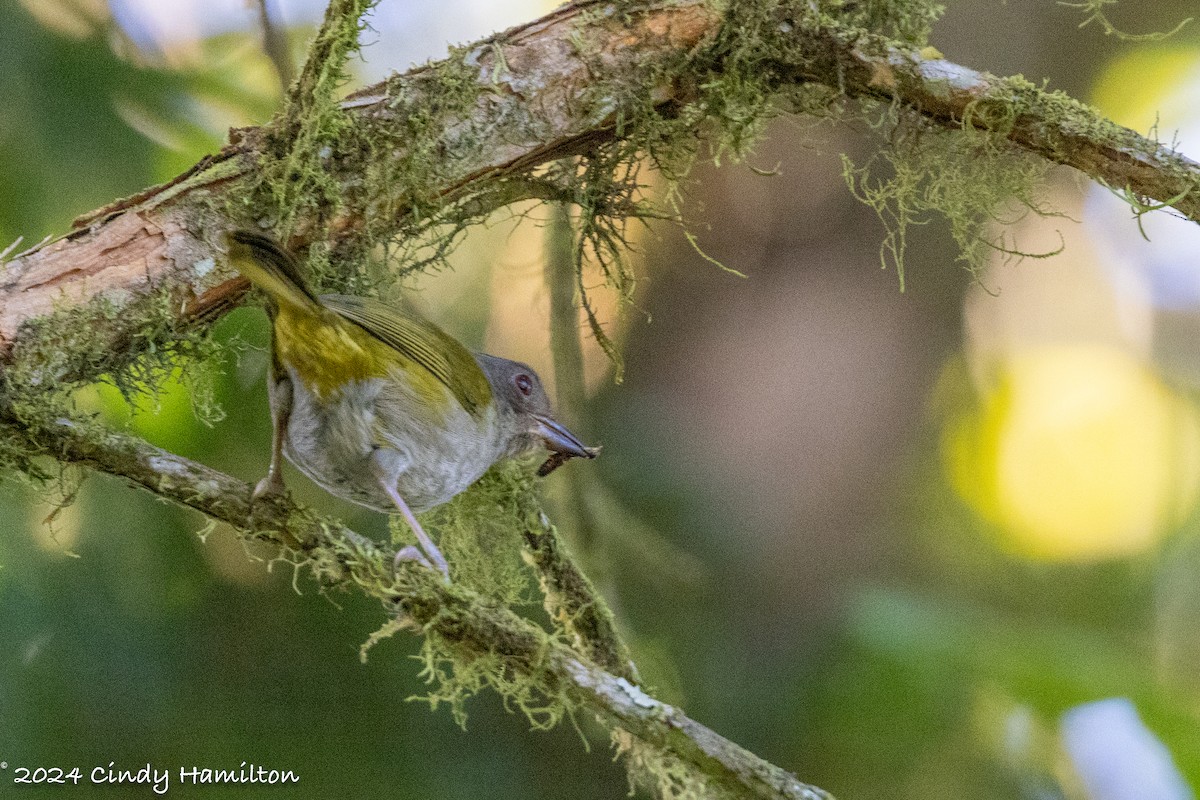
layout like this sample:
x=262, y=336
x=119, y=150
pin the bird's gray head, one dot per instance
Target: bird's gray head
x=524, y=409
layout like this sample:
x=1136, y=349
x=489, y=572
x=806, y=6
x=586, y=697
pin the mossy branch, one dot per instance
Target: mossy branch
x=341, y=559
x=573, y=602
x=500, y=108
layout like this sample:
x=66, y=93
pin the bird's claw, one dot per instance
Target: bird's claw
x=270, y=486
x=413, y=553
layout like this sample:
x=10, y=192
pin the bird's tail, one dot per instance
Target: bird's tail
x=269, y=267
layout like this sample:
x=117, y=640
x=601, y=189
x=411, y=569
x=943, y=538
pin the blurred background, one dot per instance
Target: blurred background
x=938, y=543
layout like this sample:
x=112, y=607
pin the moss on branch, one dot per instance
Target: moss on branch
x=472, y=641
x=417, y=158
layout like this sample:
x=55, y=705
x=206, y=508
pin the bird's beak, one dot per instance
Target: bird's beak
x=559, y=439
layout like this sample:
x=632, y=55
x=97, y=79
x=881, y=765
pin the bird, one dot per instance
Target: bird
x=379, y=406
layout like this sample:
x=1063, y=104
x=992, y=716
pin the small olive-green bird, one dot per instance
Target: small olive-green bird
x=381, y=407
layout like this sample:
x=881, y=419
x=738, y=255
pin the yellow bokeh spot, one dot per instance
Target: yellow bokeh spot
x=1079, y=453
x=1136, y=89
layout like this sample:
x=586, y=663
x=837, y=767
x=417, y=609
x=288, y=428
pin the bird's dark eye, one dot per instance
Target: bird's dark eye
x=524, y=384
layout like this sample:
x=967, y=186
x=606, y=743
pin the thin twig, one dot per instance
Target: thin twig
x=565, y=343
x=275, y=42
x=571, y=596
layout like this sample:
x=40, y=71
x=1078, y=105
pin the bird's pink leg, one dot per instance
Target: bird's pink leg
x=281, y=411
x=435, y=557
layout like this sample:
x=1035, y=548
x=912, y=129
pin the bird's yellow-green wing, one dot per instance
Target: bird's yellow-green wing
x=420, y=341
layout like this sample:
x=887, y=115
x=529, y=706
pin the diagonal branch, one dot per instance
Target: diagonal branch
x=535, y=99
x=573, y=602
x=339, y=557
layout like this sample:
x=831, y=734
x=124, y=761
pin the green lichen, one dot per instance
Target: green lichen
x=907, y=21
x=607, y=177
x=480, y=533
x=20, y=459
x=296, y=175
x=1095, y=12
x=662, y=774
x=972, y=178
x=733, y=99
x=734, y=86
x=136, y=347
x=734, y=90
x=403, y=166
x=454, y=675
x=386, y=174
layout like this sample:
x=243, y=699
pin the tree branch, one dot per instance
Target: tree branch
x=1051, y=125
x=341, y=558
x=537, y=102
x=572, y=601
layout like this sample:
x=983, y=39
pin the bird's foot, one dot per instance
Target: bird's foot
x=412, y=553
x=430, y=555
x=438, y=561
x=270, y=486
